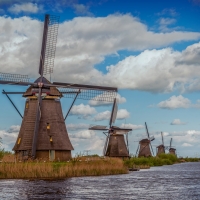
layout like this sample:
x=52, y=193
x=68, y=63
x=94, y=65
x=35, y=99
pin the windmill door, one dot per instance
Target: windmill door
x=51, y=155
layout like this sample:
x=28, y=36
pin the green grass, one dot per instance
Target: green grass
x=162, y=159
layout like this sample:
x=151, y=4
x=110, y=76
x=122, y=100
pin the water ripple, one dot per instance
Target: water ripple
x=177, y=182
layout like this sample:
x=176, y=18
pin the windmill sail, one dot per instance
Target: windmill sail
x=114, y=112
x=161, y=148
x=43, y=108
x=145, y=147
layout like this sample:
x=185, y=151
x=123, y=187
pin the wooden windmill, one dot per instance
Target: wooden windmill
x=115, y=145
x=43, y=133
x=171, y=149
x=145, y=148
x=161, y=148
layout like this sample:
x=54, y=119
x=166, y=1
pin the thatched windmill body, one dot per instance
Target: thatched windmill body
x=171, y=149
x=115, y=145
x=161, y=148
x=145, y=148
x=43, y=133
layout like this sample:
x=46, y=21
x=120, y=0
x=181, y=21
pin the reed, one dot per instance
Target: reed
x=73, y=168
x=162, y=159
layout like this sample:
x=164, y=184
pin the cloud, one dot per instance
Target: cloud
x=165, y=23
x=85, y=134
x=170, y=12
x=186, y=145
x=14, y=128
x=26, y=7
x=81, y=9
x=82, y=109
x=177, y=122
x=9, y=137
x=122, y=114
x=165, y=68
x=120, y=100
x=74, y=127
x=103, y=116
x=175, y=102
x=97, y=144
x=132, y=126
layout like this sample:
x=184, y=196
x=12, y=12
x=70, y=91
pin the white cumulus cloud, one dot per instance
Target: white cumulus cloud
x=85, y=134
x=177, y=122
x=175, y=102
x=123, y=114
x=103, y=116
x=186, y=145
x=74, y=127
x=80, y=46
x=132, y=126
x=25, y=7
x=82, y=109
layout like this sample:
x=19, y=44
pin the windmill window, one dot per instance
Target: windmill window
x=48, y=126
x=26, y=105
x=19, y=140
x=51, y=139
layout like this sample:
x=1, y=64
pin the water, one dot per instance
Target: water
x=179, y=181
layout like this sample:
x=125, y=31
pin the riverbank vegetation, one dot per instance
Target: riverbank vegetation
x=162, y=159
x=73, y=168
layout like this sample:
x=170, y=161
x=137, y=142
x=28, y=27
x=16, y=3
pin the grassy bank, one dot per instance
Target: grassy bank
x=162, y=159
x=73, y=168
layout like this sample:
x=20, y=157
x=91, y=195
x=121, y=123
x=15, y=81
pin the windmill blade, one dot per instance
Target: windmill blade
x=105, y=145
x=152, y=138
x=147, y=130
x=137, y=149
x=98, y=128
x=114, y=112
x=121, y=130
x=151, y=149
x=87, y=87
x=170, y=143
x=15, y=79
x=37, y=123
x=49, y=40
x=4, y=92
x=127, y=143
x=88, y=92
x=162, y=138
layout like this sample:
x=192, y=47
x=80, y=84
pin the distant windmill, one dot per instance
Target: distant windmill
x=43, y=133
x=115, y=145
x=145, y=148
x=171, y=149
x=161, y=148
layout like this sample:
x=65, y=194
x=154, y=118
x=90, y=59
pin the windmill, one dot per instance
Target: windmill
x=115, y=145
x=161, y=148
x=43, y=133
x=171, y=149
x=145, y=145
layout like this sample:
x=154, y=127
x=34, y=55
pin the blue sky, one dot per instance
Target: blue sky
x=148, y=49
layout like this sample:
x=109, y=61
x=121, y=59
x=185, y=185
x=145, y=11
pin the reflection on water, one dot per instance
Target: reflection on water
x=180, y=181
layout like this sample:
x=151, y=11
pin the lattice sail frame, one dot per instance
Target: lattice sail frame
x=51, y=44
x=13, y=77
x=95, y=95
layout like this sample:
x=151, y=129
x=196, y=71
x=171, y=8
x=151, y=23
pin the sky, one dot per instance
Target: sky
x=149, y=49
